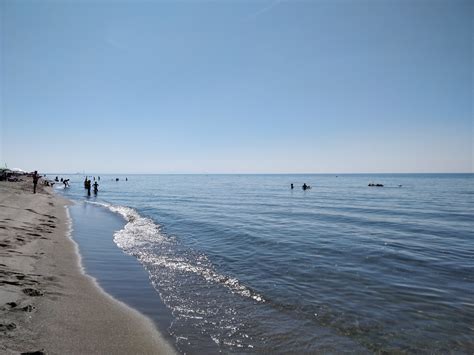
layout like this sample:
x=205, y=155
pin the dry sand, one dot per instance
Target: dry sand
x=47, y=304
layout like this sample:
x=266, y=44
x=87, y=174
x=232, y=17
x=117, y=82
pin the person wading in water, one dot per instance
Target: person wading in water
x=88, y=187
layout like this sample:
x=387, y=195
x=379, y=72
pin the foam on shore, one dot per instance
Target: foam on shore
x=141, y=236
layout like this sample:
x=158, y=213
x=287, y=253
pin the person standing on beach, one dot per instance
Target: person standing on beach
x=36, y=177
x=96, y=187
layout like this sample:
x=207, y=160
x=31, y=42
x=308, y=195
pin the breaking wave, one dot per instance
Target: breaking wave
x=142, y=238
x=198, y=296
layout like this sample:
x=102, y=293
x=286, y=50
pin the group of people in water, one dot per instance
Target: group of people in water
x=64, y=181
x=304, y=187
x=307, y=187
x=88, y=183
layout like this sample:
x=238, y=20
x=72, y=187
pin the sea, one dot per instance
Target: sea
x=245, y=264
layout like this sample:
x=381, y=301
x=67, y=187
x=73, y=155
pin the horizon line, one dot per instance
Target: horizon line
x=234, y=173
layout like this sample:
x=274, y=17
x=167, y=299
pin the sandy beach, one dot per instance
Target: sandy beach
x=47, y=304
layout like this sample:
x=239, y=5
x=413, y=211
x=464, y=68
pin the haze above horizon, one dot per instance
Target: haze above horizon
x=237, y=86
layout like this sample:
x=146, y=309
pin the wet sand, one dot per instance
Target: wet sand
x=47, y=303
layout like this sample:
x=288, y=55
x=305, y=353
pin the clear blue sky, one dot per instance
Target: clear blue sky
x=237, y=86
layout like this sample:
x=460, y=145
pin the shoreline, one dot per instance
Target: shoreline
x=48, y=303
x=120, y=275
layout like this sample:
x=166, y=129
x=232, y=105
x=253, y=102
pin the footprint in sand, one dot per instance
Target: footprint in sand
x=13, y=283
x=12, y=251
x=32, y=292
x=20, y=229
x=7, y=327
x=51, y=278
x=14, y=306
x=28, y=308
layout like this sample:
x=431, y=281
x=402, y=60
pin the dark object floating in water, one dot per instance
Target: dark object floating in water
x=305, y=187
x=375, y=185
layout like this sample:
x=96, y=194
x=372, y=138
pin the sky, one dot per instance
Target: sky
x=320, y=86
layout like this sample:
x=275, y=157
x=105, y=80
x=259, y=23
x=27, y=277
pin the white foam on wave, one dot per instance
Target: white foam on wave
x=141, y=235
x=206, y=271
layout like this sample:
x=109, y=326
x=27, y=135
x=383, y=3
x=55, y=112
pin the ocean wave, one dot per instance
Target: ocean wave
x=142, y=238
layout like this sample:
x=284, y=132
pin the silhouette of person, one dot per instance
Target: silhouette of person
x=292, y=187
x=304, y=186
x=36, y=177
x=96, y=187
x=88, y=187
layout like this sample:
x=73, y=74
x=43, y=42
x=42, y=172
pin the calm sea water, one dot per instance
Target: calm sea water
x=245, y=264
